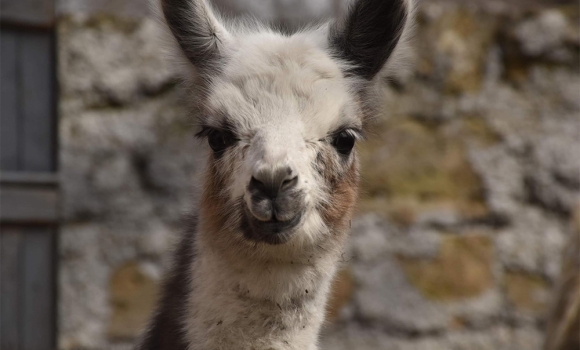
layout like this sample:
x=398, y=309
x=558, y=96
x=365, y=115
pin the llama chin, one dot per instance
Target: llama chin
x=281, y=115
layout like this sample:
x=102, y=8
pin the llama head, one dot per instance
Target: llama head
x=282, y=114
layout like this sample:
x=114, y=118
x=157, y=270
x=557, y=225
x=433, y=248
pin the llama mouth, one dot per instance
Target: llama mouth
x=274, y=232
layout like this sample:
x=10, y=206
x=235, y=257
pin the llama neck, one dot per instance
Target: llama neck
x=243, y=302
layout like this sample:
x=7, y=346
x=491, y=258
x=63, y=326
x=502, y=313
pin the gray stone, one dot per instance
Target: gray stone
x=132, y=8
x=542, y=34
x=83, y=302
x=533, y=243
x=369, y=238
x=374, y=238
x=554, y=174
x=286, y=11
x=503, y=179
x=156, y=241
x=495, y=338
x=395, y=304
x=113, y=62
x=439, y=217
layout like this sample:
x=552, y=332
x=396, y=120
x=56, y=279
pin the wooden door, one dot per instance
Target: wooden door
x=28, y=178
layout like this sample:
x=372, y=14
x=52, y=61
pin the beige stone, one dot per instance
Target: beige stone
x=133, y=295
x=461, y=270
x=413, y=166
x=527, y=292
x=462, y=38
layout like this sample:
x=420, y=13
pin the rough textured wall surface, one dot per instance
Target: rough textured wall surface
x=470, y=182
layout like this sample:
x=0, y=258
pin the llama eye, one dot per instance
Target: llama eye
x=344, y=143
x=220, y=140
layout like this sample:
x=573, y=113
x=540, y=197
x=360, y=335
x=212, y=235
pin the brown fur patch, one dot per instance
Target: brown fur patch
x=222, y=217
x=342, y=187
x=214, y=207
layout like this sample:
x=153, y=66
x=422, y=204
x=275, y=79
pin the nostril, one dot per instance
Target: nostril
x=271, y=184
x=257, y=184
x=289, y=183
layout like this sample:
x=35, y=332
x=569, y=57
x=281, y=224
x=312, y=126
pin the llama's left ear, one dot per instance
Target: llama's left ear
x=369, y=34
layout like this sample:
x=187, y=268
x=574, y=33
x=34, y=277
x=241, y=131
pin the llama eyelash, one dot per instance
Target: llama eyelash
x=206, y=130
x=355, y=132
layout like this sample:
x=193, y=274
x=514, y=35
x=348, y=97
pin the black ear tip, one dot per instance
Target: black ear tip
x=370, y=33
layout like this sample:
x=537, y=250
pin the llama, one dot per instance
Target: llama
x=281, y=114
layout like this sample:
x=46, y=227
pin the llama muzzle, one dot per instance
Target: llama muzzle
x=275, y=205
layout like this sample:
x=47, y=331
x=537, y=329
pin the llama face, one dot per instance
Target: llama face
x=282, y=114
x=282, y=124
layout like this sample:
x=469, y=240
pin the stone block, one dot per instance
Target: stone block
x=133, y=294
x=463, y=269
x=414, y=167
x=527, y=292
x=456, y=52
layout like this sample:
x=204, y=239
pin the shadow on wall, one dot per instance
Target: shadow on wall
x=470, y=180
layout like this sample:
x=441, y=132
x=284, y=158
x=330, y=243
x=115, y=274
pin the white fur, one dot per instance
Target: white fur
x=285, y=95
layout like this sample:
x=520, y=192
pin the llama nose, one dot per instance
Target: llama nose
x=271, y=183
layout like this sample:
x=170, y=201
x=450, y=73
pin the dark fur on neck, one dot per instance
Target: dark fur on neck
x=166, y=330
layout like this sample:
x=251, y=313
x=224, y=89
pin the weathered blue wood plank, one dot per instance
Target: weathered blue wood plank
x=11, y=242
x=32, y=205
x=28, y=12
x=38, y=290
x=36, y=143
x=8, y=101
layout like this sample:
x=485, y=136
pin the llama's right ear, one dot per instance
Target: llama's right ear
x=198, y=31
x=369, y=34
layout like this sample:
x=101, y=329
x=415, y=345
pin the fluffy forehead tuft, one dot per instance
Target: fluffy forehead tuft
x=271, y=80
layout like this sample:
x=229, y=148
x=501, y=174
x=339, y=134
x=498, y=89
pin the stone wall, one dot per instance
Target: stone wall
x=469, y=183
